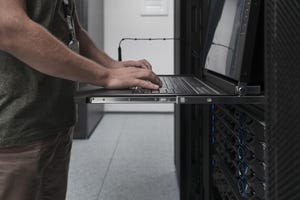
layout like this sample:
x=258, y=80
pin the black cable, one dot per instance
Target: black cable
x=222, y=45
x=139, y=39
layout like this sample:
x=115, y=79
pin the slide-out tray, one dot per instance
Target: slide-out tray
x=103, y=96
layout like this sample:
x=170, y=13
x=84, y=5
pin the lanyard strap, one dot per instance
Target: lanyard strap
x=69, y=17
x=74, y=43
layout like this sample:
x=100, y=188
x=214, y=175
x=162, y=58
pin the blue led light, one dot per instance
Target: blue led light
x=241, y=153
x=213, y=163
x=213, y=139
x=243, y=187
x=213, y=106
x=213, y=129
x=243, y=169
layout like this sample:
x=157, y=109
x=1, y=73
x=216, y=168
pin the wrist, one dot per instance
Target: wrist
x=106, y=78
x=112, y=63
x=102, y=77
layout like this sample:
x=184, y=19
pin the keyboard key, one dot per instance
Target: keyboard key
x=138, y=91
x=146, y=91
x=164, y=84
x=178, y=91
x=168, y=83
x=163, y=90
x=170, y=91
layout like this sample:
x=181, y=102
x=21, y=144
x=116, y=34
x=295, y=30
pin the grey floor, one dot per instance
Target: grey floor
x=129, y=157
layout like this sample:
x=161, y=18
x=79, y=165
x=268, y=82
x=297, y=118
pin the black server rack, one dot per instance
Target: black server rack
x=282, y=92
x=189, y=27
x=238, y=143
x=220, y=150
x=241, y=152
x=238, y=152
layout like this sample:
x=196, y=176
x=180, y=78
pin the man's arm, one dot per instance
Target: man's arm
x=35, y=46
x=89, y=50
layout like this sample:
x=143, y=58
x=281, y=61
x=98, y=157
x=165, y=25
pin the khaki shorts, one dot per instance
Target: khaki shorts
x=38, y=171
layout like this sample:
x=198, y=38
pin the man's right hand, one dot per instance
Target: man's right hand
x=130, y=77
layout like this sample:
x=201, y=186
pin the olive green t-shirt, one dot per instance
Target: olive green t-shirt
x=35, y=106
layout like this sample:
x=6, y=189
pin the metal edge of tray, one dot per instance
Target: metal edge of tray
x=133, y=100
x=221, y=100
x=178, y=100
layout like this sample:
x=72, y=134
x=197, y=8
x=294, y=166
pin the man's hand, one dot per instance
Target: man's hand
x=131, y=77
x=144, y=64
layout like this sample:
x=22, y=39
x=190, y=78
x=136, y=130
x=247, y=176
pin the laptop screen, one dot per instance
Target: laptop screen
x=226, y=32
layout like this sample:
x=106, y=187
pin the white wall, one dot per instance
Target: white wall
x=122, y=18
x=95, y=22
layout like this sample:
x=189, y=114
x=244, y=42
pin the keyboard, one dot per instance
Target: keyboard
x=170, y=85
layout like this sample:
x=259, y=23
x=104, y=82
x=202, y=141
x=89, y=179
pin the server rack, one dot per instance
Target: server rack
x=282, y=89
x=220, y=150
x=190, y=23
x=238, y=152
x=238, y=142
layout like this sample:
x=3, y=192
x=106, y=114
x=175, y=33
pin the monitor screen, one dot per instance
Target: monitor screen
x=225, y=33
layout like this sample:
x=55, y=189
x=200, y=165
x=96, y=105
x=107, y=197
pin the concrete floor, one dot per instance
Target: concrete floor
x=129, y=157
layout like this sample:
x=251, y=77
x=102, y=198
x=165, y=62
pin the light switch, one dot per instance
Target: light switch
x=155, y=7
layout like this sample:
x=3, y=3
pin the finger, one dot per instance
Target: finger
x=146, y=84
x=149, y=66
x=150, y=76
x=146, y=74
x=143, y=65
x=137, y=64
x=158, y=79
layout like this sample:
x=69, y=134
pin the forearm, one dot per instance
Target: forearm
x=90, y=50
x=35, y=46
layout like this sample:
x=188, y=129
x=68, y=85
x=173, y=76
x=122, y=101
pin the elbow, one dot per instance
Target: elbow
x=11, y=30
